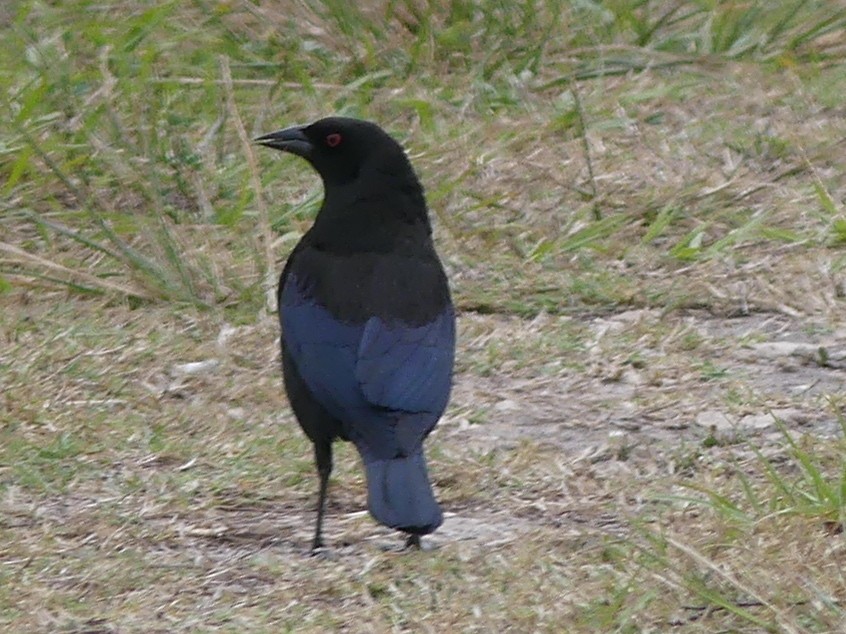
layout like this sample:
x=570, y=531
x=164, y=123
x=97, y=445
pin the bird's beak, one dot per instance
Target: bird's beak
x=291, y=140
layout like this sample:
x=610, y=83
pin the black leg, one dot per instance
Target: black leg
x=413, y=541
x=323, y=458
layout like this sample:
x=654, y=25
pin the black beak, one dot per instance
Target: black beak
x=291, y=140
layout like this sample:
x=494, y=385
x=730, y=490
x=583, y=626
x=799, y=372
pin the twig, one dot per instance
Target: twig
x=105, y=90
x=597, y=214
x=266, y=273
x=726, y=576
x=202, y=81
x=21, y=256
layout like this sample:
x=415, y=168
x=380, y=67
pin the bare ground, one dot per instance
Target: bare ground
x=184, y=489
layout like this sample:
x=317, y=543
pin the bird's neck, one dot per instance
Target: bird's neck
x=360, y=217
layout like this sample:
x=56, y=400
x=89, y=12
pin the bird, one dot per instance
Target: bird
x=367, y=320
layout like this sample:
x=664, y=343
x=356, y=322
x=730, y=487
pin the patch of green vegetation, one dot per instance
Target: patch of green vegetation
x=122, y=137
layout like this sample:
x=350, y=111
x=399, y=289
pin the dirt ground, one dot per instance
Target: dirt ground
x=163, y=452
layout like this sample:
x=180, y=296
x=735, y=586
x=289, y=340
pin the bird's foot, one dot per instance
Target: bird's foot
x=412, y=542
x=323, y=553
x=415, y=542
x=318, y=548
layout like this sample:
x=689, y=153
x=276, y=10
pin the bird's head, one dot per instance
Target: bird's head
x=340, y=148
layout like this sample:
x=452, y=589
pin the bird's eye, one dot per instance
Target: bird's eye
x=333, y=140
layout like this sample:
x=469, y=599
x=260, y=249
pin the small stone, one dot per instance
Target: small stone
x=774, y=349
x=721, y=421
x=507, y=405
x=757, y=421
x=195, y=367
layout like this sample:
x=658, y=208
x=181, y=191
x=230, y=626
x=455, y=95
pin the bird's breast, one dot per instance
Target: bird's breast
x=410, y=288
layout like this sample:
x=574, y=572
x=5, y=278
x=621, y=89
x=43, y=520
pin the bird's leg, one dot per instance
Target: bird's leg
x=413, y=541
x=323, y=458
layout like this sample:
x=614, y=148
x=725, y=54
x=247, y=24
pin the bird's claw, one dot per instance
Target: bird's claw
x=317, y=547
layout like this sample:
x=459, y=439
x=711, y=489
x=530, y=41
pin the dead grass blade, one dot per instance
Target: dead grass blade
x=25, y=259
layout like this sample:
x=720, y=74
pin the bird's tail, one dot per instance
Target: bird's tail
x=399, y=494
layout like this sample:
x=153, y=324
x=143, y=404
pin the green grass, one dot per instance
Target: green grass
x=120, y=135
x=628, y=195
x=758, y=508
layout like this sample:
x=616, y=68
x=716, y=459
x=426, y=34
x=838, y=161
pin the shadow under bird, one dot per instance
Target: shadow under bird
x=368, y=326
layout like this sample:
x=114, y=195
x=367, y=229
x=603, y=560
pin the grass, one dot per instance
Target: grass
x=631, y=198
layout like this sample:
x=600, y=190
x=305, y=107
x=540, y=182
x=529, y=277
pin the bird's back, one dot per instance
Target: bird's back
x=374, y=333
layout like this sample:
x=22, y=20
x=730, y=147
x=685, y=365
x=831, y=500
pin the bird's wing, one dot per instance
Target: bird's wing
x=408, y=368
x=324, y=351
x=351, y=368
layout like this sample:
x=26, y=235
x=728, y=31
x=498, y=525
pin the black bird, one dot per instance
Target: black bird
x=368, y=326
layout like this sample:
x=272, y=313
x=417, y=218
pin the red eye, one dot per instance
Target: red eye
x=333, y=140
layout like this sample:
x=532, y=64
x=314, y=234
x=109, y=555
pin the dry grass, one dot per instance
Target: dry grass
x=645, y=433
x=141, y=496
